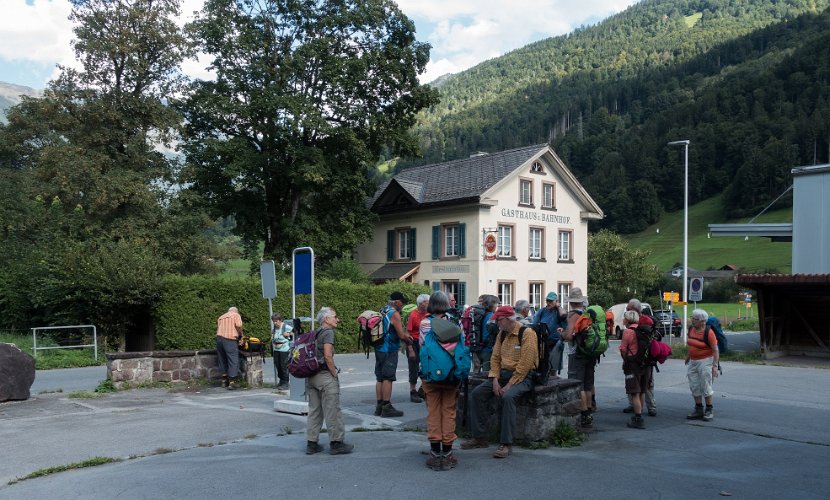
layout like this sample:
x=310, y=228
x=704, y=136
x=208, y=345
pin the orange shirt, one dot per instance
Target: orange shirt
x=413, y=324
x=229, y=325
x=698, y=348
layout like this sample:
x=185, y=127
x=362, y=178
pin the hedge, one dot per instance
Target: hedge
x=185, y=317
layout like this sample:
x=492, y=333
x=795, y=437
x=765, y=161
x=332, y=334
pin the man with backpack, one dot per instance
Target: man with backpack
x=633, y=349
x=386, y=355
x=555, y=321
x=482, y=330
x=580, y=366
x=413, y=323
x=515, y=356
x=645, y=322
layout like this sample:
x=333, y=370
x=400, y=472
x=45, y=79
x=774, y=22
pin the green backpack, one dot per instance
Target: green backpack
x=593, y=340
x=405, y=311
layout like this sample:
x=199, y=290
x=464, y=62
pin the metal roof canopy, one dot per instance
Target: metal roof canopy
x=775, y=231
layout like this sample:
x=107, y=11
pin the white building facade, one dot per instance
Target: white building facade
x=512, y=224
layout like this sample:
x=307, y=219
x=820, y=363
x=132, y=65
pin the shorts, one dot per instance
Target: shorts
x=386, y=364
x=699, y=372
x=581, y=368
x=637, y=378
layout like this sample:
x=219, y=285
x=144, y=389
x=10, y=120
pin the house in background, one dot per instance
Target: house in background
x=512, y=224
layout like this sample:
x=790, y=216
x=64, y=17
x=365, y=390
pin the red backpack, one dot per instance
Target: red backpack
x=302, y=358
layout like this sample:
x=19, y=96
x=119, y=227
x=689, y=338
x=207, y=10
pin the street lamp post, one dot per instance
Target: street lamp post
x=685, y=143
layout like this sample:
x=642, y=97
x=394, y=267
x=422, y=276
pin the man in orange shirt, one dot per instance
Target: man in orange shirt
x=702, y=361
x=413, y=350
x=228, y=334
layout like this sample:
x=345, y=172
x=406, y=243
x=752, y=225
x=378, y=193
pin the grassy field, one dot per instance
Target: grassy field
x=665, y=241
x=53, y=358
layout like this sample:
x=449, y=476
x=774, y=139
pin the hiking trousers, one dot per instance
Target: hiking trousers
x=480, y=411
x=227, y=352
x=323, y=391
x=442, y=401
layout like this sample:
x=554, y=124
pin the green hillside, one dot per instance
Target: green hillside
x=754, y=254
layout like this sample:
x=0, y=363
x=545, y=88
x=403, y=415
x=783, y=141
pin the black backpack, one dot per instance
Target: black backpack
x=544, y=345
x=645, y=334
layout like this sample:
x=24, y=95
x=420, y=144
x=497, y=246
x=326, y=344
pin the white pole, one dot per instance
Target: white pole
x=685, y=235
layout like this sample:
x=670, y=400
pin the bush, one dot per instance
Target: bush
x=185, y=317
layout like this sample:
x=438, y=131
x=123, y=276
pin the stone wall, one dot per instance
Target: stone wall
x=536, y=417
x=132, y=368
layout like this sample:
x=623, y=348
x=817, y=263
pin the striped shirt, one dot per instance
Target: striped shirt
x=229, y=325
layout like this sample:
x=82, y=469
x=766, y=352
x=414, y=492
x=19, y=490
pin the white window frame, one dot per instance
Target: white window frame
x=535, y=292
x=564, y=290
x=450, y=240
x=402, y=240
x=505, y=292
x=536, y=244
x=564, y=246
x=526, y=192
x=504, y=246
x=549, y=204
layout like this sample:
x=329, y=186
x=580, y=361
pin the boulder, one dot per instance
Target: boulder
x=17, y=373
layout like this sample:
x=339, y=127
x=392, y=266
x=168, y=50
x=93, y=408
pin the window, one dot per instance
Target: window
x=505, y=242
x=534, y=294
x=565, y=246
x=537, y=168
x=505, y=293
x=449, y=241
x=536, y=243
x=526, y=192
x=549, y=195
x=457, y=288
x=400, y=244
x=564, y=291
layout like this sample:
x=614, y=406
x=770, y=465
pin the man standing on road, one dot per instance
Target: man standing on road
x=228, y=335
x=386, y=355
x=580, y=367
x=647, y=321
x=413, y=324
x=514, y=357
x=555, y=321
x=522, y=309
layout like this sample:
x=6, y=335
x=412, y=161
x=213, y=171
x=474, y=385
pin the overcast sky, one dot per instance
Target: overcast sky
x=35, y=34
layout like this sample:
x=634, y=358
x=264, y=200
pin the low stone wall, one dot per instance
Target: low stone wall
x=132, y=368
x=536, y=417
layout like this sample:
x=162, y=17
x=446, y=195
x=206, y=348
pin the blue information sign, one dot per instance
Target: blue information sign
x=302, y=273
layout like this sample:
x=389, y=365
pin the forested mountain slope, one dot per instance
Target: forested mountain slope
x=747, y=82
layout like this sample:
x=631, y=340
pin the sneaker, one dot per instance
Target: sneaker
x=340, y=448
x=389, y=411
x=435, y=461
x=474, y=443
x=448, y=461
x=282, y=387
x=232, y=386
x=628, y=409
x=696, y=414
x=503, y=451
x=413, y=397
x=378, y=409
x=709, y=414
x=636, y=423
x=312, y=448
x=652, y=413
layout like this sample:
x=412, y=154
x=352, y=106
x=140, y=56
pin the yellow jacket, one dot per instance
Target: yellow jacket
x=508, y=355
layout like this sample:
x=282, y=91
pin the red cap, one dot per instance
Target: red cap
x=504, y=312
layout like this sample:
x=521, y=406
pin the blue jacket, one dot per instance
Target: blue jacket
x=391, y=341
x=554, y=319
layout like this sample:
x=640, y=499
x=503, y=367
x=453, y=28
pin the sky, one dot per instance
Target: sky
x=35, y=35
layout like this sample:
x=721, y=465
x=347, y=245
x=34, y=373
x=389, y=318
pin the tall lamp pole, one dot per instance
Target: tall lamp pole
x=685, y=235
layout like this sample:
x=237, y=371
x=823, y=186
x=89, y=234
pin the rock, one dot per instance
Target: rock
x=17, y=373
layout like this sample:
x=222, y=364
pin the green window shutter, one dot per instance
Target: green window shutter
x=390, y=245
x=462, y=294
x=436, y=286
x=436, y=242
x=412, y=244
x=462, y=240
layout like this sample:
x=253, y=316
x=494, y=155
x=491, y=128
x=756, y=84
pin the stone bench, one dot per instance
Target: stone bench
x=133, y=368
x=536, y=416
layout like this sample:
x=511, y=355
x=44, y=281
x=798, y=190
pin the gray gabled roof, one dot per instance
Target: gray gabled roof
x=456, y=180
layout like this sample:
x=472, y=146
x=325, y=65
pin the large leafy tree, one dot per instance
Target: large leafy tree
x=307, y=95
x=92, y=224
x=616, y=271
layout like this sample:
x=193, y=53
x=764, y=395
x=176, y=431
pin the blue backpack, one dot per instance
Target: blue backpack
x=444, y=362
x=714, y=324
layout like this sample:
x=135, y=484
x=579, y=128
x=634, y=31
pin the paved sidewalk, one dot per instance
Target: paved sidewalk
x=769, y=439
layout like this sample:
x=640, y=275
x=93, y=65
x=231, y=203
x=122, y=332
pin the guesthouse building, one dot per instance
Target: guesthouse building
x=512, y=224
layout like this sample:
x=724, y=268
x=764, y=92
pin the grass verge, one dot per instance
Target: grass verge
x=564, y=435
x=92, y=462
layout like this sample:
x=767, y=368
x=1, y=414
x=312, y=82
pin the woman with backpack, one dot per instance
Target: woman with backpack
x=702, y=365
x=441, y=396
x=637, y=375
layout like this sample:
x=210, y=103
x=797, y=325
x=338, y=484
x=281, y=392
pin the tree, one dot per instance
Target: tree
x=617, y=272
x=307, y=96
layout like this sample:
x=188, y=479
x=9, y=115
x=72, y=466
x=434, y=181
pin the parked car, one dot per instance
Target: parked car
x=666, y=321
x=618, y=311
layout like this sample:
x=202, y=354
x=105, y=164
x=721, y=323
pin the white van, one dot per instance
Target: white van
x=618, y=311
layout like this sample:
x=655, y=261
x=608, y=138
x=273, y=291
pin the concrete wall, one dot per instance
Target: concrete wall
x=811, y=220
x=133, y=368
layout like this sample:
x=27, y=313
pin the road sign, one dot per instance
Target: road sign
x=696, y=289
x=681, y=303
x=671, y=296
x=269, y=279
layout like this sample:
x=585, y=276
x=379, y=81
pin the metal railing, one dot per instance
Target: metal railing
x=94, y=343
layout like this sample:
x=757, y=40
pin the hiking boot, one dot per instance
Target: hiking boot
x=697, y=413
x=503, y=451
x=282, y=387
x=586, y=421
x=709, y=414
x=233, y=385
x=628, y=409
x=312, y=448
x=652, y=413
x=435, y=461
x=421, y=392
x=474, y=443
x=593, y=406
x=448, y=461
x=225, y=381
x=340, y=448
x=378, y=409
x=636, y=423
x=389, y=411
x=413, y=397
